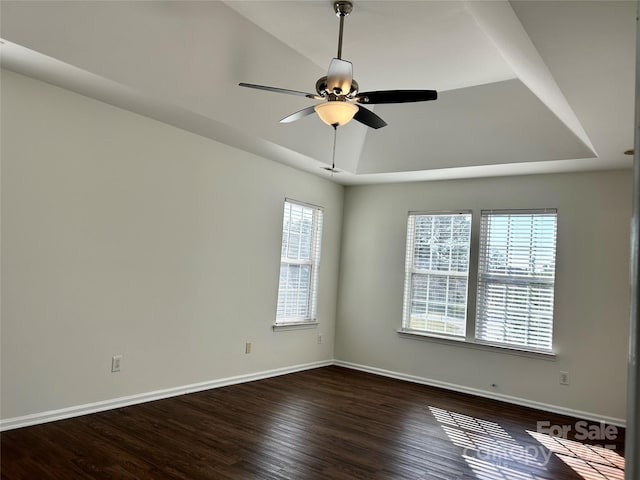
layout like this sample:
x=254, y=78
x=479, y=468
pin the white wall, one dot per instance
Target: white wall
x=592, y=288
x=122, y=235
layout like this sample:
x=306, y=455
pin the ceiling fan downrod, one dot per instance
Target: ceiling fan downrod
x=342, y=8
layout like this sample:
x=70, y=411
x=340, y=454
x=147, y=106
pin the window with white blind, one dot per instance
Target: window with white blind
x=516, y=276
x=437, y=273
x=300, y=256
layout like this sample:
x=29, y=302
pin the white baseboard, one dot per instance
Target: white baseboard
x=620, y=422
x=75, y=411
x=78, y=410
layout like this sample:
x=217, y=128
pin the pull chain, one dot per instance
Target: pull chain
x=333, y=162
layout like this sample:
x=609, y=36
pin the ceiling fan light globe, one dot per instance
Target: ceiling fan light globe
x=336, y=112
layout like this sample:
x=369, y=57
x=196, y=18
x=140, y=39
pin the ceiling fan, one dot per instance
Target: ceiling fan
x=340, y=91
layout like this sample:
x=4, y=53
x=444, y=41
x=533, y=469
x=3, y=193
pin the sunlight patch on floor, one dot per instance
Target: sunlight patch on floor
x=591, y=462
x=493, y=454
x=490, y=452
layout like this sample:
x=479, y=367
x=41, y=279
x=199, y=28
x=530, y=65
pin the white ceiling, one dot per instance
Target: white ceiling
x=525, y=86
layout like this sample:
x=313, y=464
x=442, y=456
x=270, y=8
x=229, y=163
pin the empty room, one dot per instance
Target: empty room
x=309, y=239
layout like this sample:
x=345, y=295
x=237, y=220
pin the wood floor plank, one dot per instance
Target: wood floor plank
x=327, y=423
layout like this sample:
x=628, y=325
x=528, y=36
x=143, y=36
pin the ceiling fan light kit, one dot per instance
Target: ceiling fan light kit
x=340, y=91
x=336, y=113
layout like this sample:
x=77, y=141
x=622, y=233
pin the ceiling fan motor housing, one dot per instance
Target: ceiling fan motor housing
x=323, y=89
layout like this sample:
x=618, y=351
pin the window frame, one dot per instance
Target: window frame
x=411, y=271
x=310, y=320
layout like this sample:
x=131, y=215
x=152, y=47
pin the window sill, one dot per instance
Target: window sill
x=294, y=326
x=463, y=342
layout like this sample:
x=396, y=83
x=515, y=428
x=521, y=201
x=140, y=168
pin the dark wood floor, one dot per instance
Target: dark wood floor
x=328, y=423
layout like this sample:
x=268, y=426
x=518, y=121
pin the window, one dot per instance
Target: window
x=515, y=278
x=516, y=274
x=437, y=272
x=300, y=257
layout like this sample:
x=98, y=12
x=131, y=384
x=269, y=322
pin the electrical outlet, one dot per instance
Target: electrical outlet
x=247, y=347
x=319, y=338
x=116, y=360
x=564, y=378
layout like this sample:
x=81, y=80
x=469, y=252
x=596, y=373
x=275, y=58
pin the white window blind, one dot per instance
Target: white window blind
x=516, y=276
x=300, y=256
x=437, y=272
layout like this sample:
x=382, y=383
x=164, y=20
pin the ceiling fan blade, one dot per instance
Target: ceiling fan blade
x=370, y=119
x=298, y=115
x=281, y=90
x=396, y=96
x=339, y=76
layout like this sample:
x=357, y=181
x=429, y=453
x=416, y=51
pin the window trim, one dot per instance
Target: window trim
x=278, y=327
x=313, y=262
x=477, y=345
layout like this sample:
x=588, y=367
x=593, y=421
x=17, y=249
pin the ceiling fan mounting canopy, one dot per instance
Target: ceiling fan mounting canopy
x=340, y=91
x=342, y=8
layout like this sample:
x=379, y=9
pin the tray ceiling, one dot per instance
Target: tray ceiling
x=525, y=87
